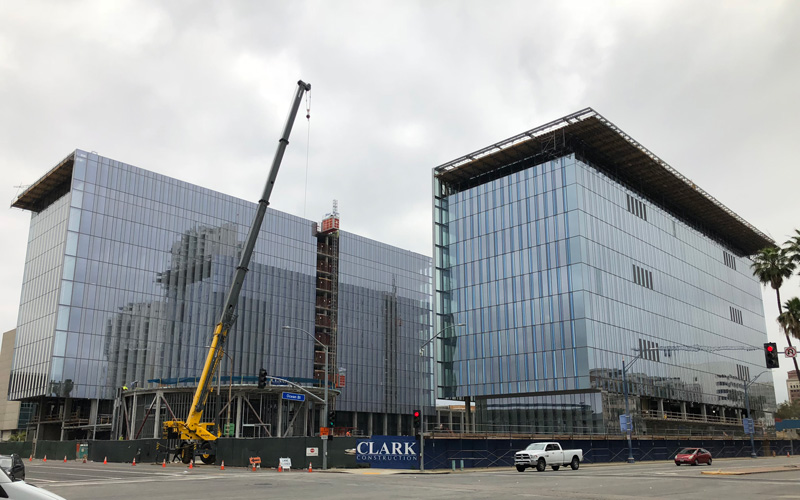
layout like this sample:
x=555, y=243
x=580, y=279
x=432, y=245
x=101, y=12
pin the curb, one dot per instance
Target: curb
x=763, y=470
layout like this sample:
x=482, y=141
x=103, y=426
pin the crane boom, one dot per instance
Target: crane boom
x=192, y=429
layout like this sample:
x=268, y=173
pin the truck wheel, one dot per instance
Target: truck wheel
x=186, y=452
x=555, y=467
x=541, y=465
x=520, y=468
x=575, y=463
x=207, y=457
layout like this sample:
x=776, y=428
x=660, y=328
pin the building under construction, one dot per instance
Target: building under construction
x=135, y=267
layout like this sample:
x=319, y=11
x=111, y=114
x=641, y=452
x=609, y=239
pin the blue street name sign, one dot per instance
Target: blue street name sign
x=748, y=424
x=293, y=397
x=625, y=423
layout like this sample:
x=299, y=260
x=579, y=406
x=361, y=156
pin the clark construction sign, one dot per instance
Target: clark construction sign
x=388, y=452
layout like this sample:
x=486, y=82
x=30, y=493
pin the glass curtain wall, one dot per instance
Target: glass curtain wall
x=384, y=316
x=560, y=272
x=135, y=266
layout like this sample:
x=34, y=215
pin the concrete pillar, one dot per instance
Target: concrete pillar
x=399, y=425
x=385, y=424
x=93, y=410
x=703, y=413
x=157, y=415
x=683, y=410
x=133, y=417
x=306, y=407
x=279, y=431
x=238, y=416
x=369, y=423
x=65, y=415
x=660, y=408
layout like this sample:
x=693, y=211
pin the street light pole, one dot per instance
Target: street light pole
x=325, y=396
x=629, y=420
x=747, y=406
x=422, y=395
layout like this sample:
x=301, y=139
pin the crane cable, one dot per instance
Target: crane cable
x=308, y=148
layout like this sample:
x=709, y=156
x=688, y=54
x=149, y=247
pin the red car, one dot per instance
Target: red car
x=693, y=456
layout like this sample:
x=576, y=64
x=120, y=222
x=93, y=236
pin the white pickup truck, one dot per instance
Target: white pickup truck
x=540, y=455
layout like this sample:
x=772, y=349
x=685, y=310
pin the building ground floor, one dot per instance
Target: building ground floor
x=237, y=411
x=243, y=411
x=596, y=413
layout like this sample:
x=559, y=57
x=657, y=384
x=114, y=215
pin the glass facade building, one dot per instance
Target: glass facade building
x=127, y=270
x=569, y=251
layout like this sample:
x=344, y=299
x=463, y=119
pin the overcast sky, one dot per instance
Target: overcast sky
x=199, y=91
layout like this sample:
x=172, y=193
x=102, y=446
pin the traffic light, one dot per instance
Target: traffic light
x=417, y=423
x=331, y=418
x=771, y=354
x=262, y=378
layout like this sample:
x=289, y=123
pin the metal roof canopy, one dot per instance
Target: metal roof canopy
x=604, y=146
x=52, y=186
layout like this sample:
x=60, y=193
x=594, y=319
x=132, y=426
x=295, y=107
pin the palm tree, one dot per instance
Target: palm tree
x=773, y=265
x=790, y=318
x=792, y=246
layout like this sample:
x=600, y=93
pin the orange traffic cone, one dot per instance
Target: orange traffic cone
x=164, y=463
x=787, y=454
x=105, y=460
x=134, y=461
x=280, y=468
x=31, y=459
x=65, y=459
x=254, y=467
x=191, y=464
x=44, y=459
x=222, y=467
x=309, y=467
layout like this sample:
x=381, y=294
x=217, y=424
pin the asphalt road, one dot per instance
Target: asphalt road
x=602, y=481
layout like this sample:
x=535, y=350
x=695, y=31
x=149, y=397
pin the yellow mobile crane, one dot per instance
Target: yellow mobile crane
x=195, y=435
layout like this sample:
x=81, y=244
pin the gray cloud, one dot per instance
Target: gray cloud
x=199, y=91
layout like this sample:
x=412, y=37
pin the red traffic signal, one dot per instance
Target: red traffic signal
x=771, y=355
x=417, y=419
x=416, y=414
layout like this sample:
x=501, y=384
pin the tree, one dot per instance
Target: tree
x=792, y=247
x=788, y=410
x=773, y=265
x=790, y=317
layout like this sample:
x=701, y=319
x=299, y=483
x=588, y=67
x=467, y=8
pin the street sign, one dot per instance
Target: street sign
x=323, y=431
x=790, y=352
x=291, y=396
x=272, y=381
x=625, y=423
x=749, y=428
